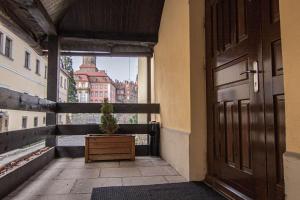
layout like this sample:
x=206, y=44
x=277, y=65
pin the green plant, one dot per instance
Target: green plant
x=108, y=121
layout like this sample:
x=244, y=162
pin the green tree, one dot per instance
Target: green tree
x=108, y=121
x=67, y=65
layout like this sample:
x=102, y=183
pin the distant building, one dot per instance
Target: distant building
x=126, y=92
x=93, y=85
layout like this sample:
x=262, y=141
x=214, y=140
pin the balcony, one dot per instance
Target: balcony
x=67, y=178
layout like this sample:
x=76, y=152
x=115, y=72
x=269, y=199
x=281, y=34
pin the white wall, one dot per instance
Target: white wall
x=14, y=76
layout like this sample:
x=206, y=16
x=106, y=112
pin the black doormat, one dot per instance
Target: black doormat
x=173, y=191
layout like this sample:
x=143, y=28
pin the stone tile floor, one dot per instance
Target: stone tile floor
x=72, y=179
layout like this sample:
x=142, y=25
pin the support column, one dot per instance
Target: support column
x=148, y=85
x=52, y=82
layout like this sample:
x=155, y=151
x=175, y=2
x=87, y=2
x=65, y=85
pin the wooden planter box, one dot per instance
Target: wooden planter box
x=109, y=147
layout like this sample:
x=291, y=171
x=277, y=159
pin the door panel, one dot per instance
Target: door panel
x=234, y=49
x=246, y=131
x=274, y=98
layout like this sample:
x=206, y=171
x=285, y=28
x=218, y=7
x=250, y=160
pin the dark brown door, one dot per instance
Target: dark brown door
x=274, y=97
x=245, y=98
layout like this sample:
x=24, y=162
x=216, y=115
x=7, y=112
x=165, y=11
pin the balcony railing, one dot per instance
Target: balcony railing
x=12, y=140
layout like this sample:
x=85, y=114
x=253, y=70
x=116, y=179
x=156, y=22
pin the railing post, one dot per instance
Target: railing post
x=52, y=81
x=148, y=86
x=154, y=133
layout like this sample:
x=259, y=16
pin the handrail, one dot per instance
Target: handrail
x=10, y=99
x=83, y=129
x=95, y=108
x=12, y=140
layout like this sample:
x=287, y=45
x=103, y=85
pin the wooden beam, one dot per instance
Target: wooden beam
x=39, y=13
x=12, y=140
x=95, y=108
x=53, y=81
x=148, y=86
x=53, y=68
x=83, y=129
x=108, y=47
x=119, y=54
x=10, y=99
x=134, y=37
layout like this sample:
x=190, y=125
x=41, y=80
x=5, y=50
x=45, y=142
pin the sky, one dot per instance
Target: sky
x=120, y=68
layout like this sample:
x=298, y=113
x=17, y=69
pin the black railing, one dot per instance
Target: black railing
x=20, y=101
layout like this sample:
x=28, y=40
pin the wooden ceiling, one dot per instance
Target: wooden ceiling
x=115, y=26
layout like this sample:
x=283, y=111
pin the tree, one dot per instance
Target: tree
x=108, y=121
x=67, y=64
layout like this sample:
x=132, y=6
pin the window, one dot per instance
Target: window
x=8, y=47
x=1, y=42
x=45, y=74
x=27, y=60
x=61, y=81
x=65, y=83
x=37, y=67
x=35, y=122
x=24, y=122
x=6, y=123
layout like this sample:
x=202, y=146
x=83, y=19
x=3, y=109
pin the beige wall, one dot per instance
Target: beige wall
x=172, y=83
x=172, y=71
x=290, y=34
x=180, y=84
x=198, y=141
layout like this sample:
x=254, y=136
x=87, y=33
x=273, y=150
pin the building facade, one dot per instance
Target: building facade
x=23, y=70
x=93, y=85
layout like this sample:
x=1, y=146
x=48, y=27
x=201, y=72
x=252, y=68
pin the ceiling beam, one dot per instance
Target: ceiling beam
x=41, y=16
x=134, y=37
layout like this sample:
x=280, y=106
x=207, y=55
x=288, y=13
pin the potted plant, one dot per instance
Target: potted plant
x=108, y=145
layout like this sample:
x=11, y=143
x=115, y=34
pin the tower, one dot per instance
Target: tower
x=89, y=60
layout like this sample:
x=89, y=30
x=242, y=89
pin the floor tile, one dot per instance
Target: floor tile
x=87, y=185
x=57, y=165
x=120, y=172
x=136, y=163
x=143, y=180
x=175, y=179
x=158, y=171
x=56, y=197
x=159, y=163
x=78, y=173
x=44, y=187
x=46, y=174
x=102, y=165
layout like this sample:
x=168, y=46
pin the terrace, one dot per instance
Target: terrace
x=67, y=178
x=221, y=105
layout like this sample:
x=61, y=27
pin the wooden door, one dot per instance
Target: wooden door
x=274, y=97
x=245, y=98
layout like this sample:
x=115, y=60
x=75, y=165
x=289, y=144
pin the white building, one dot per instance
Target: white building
x=23, y=70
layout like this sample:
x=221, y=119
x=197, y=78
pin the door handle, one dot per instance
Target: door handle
x=255, y=72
